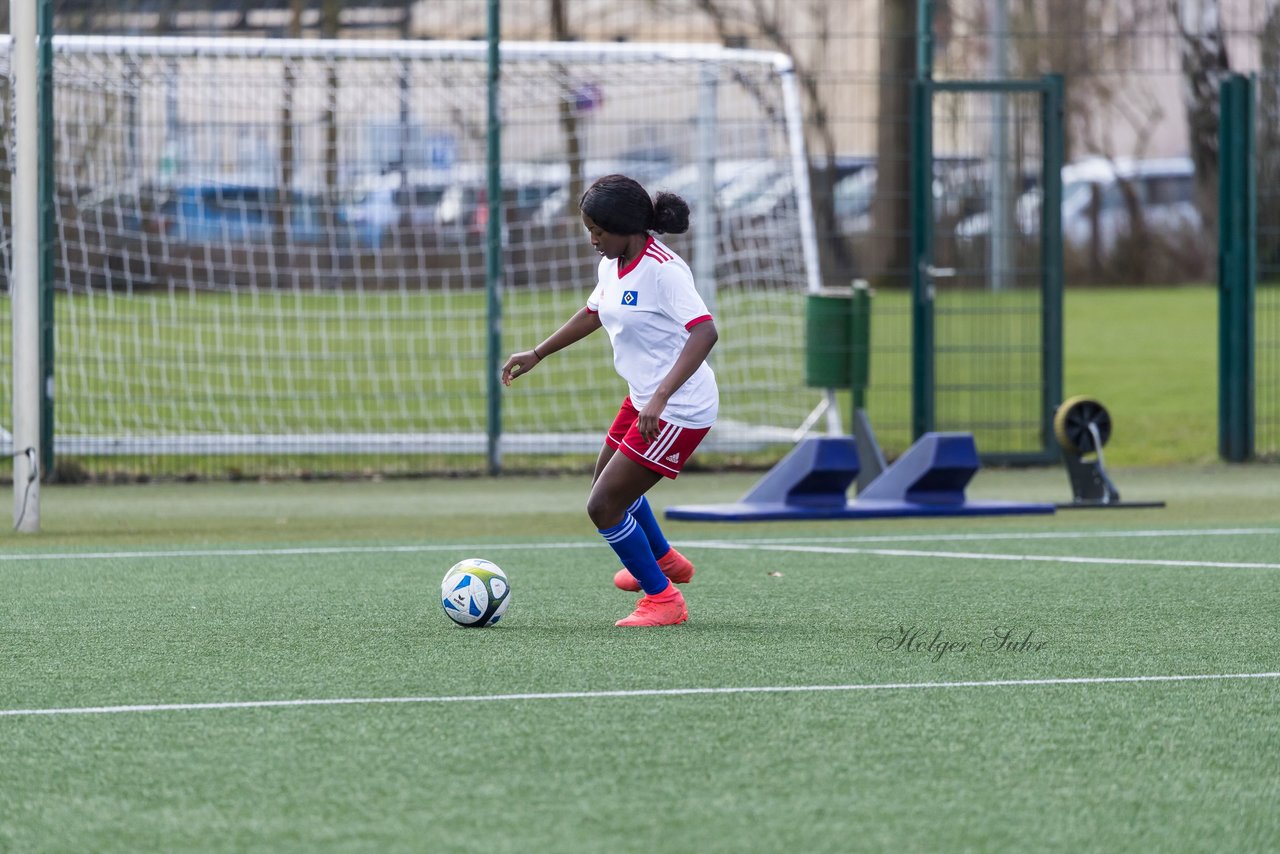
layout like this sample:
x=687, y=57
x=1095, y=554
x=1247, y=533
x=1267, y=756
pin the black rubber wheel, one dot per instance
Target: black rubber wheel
x=1071, y=424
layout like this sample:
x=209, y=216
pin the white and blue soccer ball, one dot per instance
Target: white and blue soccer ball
x=475, y=593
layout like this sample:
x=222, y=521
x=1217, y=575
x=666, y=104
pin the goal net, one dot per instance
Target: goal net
x=270, y=249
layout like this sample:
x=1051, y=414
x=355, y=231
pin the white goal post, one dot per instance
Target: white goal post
x=23, y=269
x=276, y=247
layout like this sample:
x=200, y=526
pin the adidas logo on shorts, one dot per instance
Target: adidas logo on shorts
x=673, y=458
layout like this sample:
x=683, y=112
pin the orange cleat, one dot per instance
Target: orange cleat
x=674, y=565
x=668, y=609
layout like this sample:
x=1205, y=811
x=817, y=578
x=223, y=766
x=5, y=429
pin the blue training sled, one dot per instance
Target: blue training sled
x=812, y=482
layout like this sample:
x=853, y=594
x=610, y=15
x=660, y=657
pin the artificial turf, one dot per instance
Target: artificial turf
x=510, y=739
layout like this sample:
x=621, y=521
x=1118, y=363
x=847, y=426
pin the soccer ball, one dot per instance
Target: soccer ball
x=475, y=593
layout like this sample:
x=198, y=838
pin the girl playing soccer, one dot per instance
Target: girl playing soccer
x=661, y=333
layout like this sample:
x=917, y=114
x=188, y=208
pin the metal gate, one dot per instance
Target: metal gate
x=987, y=271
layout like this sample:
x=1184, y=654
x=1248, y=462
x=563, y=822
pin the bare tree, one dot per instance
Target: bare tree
x=891, y=206
x=288, y=155
x=774, y=25
x=1085, y=41
x=1268, y=120
x=568, y=110
x=1105, y=114
x=1204, y=62
x=330, y=21
x=1073, y=57
x=1269, y=39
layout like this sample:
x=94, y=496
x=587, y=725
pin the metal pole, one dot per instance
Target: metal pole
x=25, y=285
x=493, y=246
x=922, y=287
x=47, y=225
x=999, y=224
x=402, y=152
x=1237, y=270
x=1052, y=147
x=924, y=39
x=170, y=160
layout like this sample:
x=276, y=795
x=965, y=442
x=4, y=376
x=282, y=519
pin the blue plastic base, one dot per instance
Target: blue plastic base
x=860, y=509
x=811, y=483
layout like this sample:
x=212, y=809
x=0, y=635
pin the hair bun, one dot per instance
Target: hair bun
x=670, y=214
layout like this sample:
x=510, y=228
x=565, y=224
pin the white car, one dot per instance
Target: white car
x=957, y=184
x=377, y=203
x=1164, y=189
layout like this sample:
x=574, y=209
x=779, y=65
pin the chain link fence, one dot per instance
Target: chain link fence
x=1140, y=124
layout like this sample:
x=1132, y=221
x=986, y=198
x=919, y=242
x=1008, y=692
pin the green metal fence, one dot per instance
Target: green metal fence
x=1127, y=79
x=1249, y=270
x=1266, y=303
x=1237, y=270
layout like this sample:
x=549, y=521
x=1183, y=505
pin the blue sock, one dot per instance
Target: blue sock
x=648, y=523
x=632, y=546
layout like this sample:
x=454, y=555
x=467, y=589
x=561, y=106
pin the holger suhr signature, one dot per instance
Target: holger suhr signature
x=936, y=644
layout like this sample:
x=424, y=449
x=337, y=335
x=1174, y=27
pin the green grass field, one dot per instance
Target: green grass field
x=265, y=667
x=1151, y=356
x=352, y=362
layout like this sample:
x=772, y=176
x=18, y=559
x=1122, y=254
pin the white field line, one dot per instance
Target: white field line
x=654, y=692
x=301, y=550
x=798, y=542
x=1036, y=535
x=983, y=556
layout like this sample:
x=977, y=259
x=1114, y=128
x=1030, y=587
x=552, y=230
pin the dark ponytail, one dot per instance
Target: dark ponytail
x=619, y=205
x=670, y=214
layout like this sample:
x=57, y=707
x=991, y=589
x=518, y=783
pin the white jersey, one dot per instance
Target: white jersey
x=648, y=308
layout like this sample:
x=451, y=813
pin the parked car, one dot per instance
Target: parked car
x=1165, y=191
x=852, y=197
x=379, y=203
x=214, y=211
x=464, y=207
x=960, y=188
x=774, y=192
x=129, y=207
x=1093, y=200
x=451, y=203
x=552, y=208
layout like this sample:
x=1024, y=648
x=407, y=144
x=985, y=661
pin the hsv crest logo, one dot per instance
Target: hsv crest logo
x=630, y=297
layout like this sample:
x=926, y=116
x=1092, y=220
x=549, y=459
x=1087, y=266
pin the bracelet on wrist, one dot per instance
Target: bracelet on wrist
x=536, y=353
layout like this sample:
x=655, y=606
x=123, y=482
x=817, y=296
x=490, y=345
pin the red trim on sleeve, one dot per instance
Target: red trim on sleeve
x=591, y=310
x=697, y=320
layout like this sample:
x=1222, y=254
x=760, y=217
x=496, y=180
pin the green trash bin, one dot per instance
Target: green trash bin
x=838, y=339
x=827, y=330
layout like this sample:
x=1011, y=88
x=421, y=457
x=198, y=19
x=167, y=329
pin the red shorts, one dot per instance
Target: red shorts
x=669, y=451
